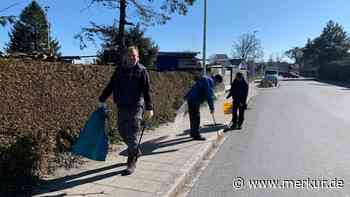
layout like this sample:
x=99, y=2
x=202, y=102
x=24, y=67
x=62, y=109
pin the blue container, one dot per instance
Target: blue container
x=93, y=140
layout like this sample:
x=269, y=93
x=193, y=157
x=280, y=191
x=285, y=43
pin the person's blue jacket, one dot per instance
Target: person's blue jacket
x=201, y=91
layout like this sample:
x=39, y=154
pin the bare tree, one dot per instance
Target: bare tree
x=248, y=47
x=295, y=54
x=279, y=56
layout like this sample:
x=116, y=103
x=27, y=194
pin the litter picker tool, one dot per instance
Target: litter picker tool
x=144, y=124
x=217, y=132
x=212, y=115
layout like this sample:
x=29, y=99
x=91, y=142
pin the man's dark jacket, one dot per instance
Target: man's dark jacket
x=130, y=87
x=239, y=92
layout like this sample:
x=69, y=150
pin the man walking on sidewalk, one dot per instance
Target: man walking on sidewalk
x=131, y=92
x=201, y=91
x=239, y=93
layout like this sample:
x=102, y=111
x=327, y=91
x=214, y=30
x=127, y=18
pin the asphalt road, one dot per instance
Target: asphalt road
x=295, y=142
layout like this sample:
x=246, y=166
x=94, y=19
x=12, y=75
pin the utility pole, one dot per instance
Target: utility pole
x=204, y=38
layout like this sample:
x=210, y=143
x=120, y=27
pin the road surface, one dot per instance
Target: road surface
x=296, y=142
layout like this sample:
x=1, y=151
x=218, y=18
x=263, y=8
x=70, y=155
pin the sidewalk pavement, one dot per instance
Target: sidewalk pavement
x=169, y=159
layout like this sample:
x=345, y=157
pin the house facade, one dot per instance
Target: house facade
x=167, y=61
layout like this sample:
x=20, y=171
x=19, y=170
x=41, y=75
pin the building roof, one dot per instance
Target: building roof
x=219, y=56
x=76, y=57
x=235, y=61
x=179, y=54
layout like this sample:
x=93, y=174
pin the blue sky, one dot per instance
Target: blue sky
x=280, y=24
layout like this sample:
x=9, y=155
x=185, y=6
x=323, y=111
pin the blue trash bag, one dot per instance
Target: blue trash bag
x=93, y=140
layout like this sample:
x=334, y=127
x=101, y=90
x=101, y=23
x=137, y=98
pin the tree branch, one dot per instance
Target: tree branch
x=12, y=5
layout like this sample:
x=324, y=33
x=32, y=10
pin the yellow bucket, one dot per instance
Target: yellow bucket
x=228, y=107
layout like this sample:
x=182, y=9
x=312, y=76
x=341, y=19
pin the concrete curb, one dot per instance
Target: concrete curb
x=195, y=166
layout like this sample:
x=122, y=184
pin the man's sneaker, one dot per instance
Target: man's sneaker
x=198, y=138
x=239, y=127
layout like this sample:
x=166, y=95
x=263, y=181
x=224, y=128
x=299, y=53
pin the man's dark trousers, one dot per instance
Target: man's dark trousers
x=129, y=126
x=193, y=110
x=240, y=109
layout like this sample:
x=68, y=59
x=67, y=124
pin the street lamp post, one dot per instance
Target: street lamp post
x=204, y=38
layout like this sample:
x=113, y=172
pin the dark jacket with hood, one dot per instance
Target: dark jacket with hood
x=130, y=87
x=239, y=91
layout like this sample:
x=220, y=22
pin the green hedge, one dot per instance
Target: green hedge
x=44, y=105
x=335, y=71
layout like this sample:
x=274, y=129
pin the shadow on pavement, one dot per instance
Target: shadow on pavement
x=150, y=147
x=77, y=194
x=340, y=84
x=298, y=79
x=321, y=84
x=324, y=84
x=206, y=129
x=70, y=182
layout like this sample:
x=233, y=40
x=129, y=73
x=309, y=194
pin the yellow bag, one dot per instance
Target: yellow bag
x=228, y=107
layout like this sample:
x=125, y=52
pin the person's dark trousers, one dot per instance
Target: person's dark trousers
x=129, y=126
x=240, y=111
x=194, y=113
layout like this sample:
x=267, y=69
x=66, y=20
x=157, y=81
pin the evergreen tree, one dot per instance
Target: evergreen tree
x=331, y=45
x=4, y=20
x=133, y=36
x=109, y=35
x=145, y=12
x=30, y=33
